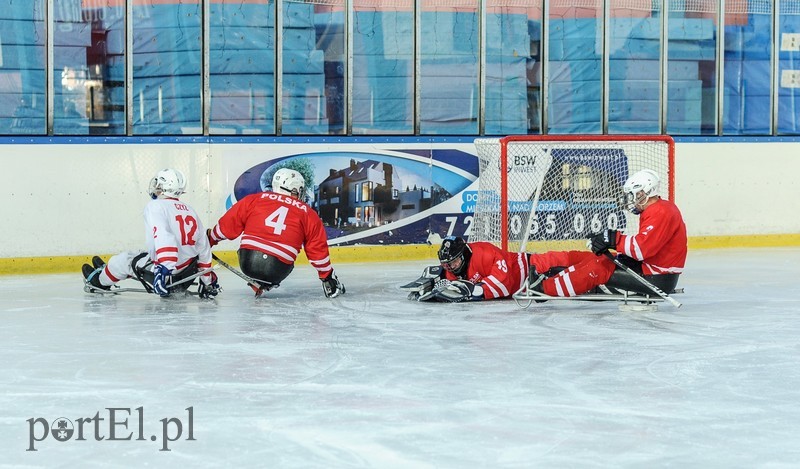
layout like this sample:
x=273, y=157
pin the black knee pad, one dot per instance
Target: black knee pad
x=145, y=273
x=188, y=271
x=263, y=267
x=622, y=280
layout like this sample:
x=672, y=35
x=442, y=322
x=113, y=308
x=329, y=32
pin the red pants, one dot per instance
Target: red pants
x=584, y=272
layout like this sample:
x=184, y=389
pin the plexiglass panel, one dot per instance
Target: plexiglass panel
x=575, y=67
x=305, y=102
x=634, y=89
x=533, y=67
x=242, y=67
x=383, y=67
x=167, y=67
x=22, y=59
x=104, y=85
x=789, y=68
x=748, y=71
x=692, y=67
x=72, y=39
x=509, y=60
x=319, y=107
x=449, y=38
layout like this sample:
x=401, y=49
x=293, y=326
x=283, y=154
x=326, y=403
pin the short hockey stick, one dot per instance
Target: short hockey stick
x=642, y=280
x=251, y=282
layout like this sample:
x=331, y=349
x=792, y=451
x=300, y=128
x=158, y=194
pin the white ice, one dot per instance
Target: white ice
x=373, y=380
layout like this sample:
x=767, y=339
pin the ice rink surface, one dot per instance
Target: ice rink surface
x=373, y=380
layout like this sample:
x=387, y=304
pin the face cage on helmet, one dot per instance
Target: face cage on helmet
x=634, y=201
x=156, y=190
x=153, y=190
x=454, y=265
x=297, y=194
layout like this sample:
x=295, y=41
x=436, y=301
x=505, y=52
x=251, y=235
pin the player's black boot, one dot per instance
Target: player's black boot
x=92, y=276
x=535, y=280
x=98, y=262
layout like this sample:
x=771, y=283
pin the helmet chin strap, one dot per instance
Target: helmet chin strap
x=292, y=193
x=638, y=207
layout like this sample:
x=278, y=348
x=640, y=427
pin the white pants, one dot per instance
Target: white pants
x=119, y=267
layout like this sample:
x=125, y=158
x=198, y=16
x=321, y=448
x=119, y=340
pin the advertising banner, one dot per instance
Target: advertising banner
x=369, y=194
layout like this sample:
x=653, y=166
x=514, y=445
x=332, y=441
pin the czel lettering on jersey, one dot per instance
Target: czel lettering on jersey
x=285, y=199
x=182, y=207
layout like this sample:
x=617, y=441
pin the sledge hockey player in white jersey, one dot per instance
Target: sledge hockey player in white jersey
x=177, y=247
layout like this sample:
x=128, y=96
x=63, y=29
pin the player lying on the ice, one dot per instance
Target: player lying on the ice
x=470, y=272
x=177, y=248
x=478, y=271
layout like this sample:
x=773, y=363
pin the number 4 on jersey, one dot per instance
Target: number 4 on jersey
x=277, y=220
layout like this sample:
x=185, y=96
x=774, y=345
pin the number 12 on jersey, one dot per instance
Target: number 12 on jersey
x=188, y=226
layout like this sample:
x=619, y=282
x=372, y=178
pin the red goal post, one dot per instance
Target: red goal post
x=547, y=192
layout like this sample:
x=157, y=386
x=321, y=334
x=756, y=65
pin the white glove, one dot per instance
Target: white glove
x=454, y=292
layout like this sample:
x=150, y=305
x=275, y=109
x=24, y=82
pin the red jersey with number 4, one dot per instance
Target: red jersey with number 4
x=499, y=273
x=175, y=235
x=278, y=225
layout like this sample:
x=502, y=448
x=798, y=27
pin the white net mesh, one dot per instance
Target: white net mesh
x=575, y=185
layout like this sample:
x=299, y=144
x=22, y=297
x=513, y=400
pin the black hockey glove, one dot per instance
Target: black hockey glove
x=208, y=287
x=331, y=286
x=603, y=241
x=162, y=280
x=456, y=292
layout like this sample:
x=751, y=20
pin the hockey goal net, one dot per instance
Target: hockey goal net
x=551, y=192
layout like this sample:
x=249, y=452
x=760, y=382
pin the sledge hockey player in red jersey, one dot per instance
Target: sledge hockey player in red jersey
x=274, y=226
x=177, y=247
x=657, y=252
x=470, y=272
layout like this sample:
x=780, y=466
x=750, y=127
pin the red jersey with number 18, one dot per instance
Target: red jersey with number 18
x=277, y=225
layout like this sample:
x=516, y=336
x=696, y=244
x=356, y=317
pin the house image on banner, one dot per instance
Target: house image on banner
x=370, y=193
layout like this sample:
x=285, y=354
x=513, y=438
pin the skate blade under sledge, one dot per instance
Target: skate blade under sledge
x=627, y=301
x=117, y=290
x=185, y=284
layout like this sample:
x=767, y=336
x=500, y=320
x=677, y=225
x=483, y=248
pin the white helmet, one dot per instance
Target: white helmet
x=638, y=188
x=167, y=183
x=289, y=182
